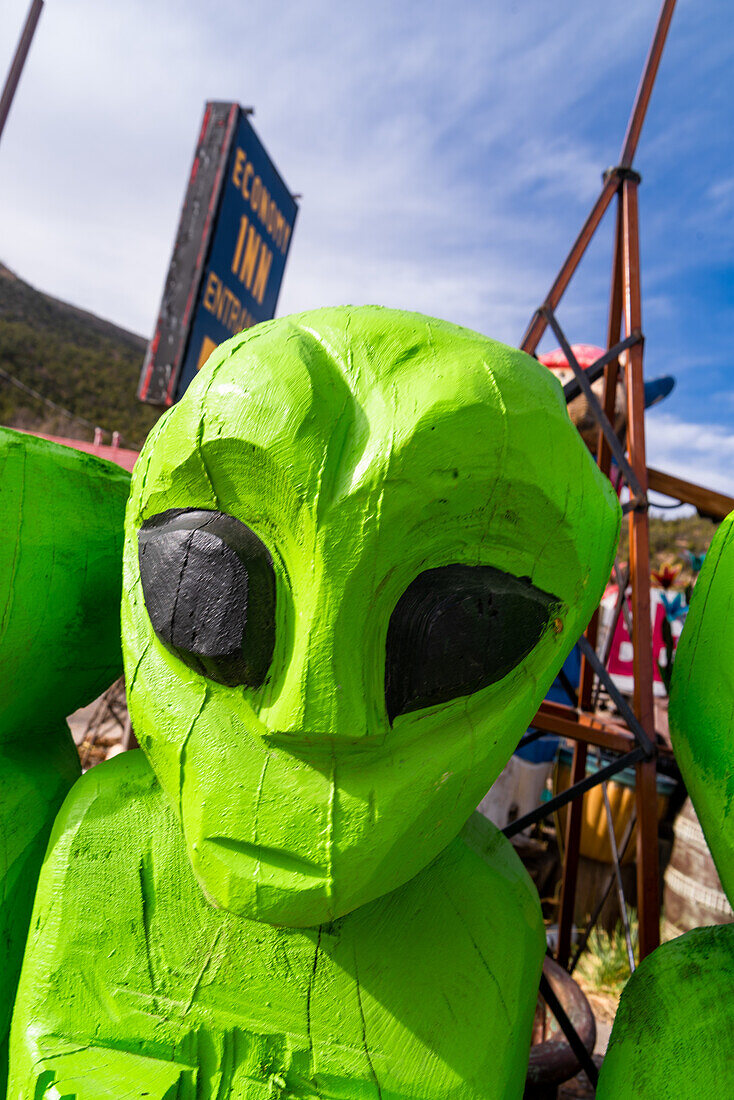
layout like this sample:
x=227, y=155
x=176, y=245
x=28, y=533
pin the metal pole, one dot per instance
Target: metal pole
x=16, y=68
x=620, y=608
x=539, y=323
x=594, y=407
x=584, y=1057
x=602, y=897
x=574, y=821
x=618, y=874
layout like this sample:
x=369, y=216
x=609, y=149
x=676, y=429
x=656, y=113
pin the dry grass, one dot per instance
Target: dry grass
x=603, y=969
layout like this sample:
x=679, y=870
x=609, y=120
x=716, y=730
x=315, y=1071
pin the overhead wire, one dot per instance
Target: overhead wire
x=31, y=392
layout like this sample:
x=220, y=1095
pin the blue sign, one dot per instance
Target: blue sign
x=229, y=255
x=249, y=246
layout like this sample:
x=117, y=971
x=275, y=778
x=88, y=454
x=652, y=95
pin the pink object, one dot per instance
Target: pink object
x=586, y=354
x=119, y=455
x=620, y=662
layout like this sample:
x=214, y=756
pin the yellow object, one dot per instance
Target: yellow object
x=207, y=347
x=595, y=843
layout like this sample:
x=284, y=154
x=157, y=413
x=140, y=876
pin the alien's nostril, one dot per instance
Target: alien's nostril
x=209, y=589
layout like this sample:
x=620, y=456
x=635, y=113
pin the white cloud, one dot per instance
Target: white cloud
x=447, y=155
x=431, y=144
x=701, y=453
x=721, y=194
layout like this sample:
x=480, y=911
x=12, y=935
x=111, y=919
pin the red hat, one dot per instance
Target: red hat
x=586, y=354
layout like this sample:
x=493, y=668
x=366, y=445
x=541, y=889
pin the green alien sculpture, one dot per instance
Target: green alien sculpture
x=356, y=555
x=61, y=516
x=673, y=1037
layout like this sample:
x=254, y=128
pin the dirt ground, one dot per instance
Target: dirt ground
x=580, y=1088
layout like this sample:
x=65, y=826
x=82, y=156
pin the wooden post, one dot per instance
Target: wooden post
x=538, y=324
x=16, y=68
x=644, y=91
x=614, y=328
x=648, y=901
x=624, y=301
x=604, y=455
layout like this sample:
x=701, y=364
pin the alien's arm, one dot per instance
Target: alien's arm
x=674, y=1031
x=61, y=529
x=673, y=1035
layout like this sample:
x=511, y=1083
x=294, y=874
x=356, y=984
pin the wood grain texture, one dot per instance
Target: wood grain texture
x=61, y=529
x=285, y=909
x=421, y=993
x=673, y=1036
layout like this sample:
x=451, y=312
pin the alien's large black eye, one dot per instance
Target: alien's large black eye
x=458, y=629
x=209, y=588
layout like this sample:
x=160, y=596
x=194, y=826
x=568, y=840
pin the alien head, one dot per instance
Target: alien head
x=357, y=553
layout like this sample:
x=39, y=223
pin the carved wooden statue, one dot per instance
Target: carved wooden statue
x=356, y=555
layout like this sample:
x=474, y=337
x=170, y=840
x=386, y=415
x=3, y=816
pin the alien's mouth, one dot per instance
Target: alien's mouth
x=244, y=857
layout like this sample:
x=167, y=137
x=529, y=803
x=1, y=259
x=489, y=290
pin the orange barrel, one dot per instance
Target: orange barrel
x=621, y=791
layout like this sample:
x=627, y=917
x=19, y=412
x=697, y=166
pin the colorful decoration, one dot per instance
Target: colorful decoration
x=667, y=615
x=357, y=554
x=695, y=561
x=674, y=1031
x=675, y=606
x=666, y=576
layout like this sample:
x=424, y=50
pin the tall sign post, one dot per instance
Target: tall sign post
x=638, y=742
x=229, y=256
x=21, y=53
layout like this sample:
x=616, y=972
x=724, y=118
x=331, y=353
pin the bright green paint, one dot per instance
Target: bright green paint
x=36, y=773
x=702, y=701
x=60, y=513
x=362, y=446
x=416, y=990
x=60, y=556
x=673, y=1038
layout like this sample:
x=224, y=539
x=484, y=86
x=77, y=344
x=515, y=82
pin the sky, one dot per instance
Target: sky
x=447, y=154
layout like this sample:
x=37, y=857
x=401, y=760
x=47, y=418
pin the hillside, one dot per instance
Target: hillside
x=670, y=539
x=83, y=363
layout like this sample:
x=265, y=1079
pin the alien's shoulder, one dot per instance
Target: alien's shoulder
x=124, y=784
x=482, y=855
x=105, y=813
x=673, y=1035
x=455, y=957
x=477, y=885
